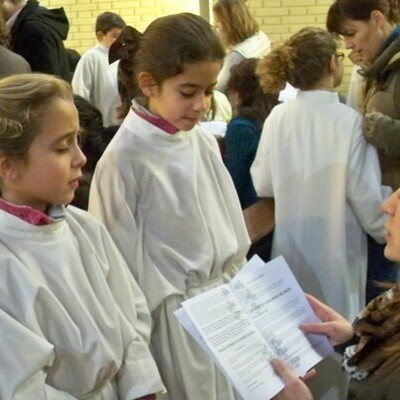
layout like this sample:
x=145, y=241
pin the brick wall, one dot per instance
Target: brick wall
x=138, y=13
x=278, y=18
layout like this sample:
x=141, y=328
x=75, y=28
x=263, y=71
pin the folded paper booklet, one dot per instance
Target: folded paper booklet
x=253, y=318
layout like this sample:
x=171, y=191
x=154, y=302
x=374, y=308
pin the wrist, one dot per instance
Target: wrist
x=340, y=348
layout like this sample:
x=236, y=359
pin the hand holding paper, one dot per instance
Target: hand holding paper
x=252, y=319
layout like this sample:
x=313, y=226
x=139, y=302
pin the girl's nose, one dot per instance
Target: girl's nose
x=79, y=159
x=202, y=103
x=390, y=204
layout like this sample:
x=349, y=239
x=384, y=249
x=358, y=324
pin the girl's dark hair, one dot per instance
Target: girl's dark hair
x=172, y=41
x=302, y=60
x=359, y=10
x=124, y=49
x=254, y=103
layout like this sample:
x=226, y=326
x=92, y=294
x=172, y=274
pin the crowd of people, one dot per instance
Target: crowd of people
x=117, y=204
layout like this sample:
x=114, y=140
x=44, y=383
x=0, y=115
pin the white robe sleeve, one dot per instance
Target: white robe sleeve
x=107, y=202
x=261, y=169
x=126, y=291
x=138, y=375
x=24, y=357
x=364, y=190
x=82, y=80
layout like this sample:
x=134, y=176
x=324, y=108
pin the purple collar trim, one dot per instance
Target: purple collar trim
x=26, y=213
x=157, y=121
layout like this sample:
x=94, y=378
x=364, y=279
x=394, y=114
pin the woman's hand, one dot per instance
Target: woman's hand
x=295, y=388
x=333, y=325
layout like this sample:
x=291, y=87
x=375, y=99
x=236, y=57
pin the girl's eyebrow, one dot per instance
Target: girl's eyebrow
x=64, y=137
x=195, y=86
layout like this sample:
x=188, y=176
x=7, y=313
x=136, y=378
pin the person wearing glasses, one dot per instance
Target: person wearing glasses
x=370, y=31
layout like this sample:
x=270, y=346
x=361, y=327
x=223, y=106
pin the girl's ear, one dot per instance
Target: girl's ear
x=9, y=171
x=100, y=36
x=378, y=18
x=332, y=64
x=147, y=83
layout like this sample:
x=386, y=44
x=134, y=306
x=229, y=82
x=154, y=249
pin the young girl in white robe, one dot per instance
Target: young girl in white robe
x=169, y=203
x=74, y=324
x=325, y=178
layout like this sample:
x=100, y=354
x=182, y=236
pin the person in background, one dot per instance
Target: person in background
x=165, y=196
x=11, y=63
x=371, y=343
x=369, y=29
x=73, y=321
x=93, y=78
x=251, y=106
x=325, y=201
x=38, y=35
x=240, y=35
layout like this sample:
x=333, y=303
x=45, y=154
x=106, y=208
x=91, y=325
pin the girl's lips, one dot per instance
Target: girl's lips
x=74, y=183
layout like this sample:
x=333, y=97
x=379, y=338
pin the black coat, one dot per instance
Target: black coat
x=38, y=35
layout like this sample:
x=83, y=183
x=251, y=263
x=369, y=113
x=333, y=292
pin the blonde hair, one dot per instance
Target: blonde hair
x=302, y=60
x=24, y=99
x=237, y=22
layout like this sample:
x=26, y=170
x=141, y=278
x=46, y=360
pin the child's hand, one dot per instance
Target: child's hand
x=333, y=325
x=295, y=388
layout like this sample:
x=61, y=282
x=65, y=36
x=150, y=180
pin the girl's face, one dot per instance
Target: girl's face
x=364, y=38
x=51, y=170
x=183, y=99
x=392, y=207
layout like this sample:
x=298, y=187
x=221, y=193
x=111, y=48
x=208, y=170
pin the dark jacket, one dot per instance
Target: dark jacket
x=382, y=109
x=38, y=35
x=376, y=387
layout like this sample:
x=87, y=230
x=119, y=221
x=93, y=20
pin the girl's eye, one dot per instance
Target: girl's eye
x=187, y=95
x=66, y=146
x=62, y=149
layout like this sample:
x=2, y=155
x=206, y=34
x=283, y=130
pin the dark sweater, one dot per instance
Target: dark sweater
x=240, y=146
